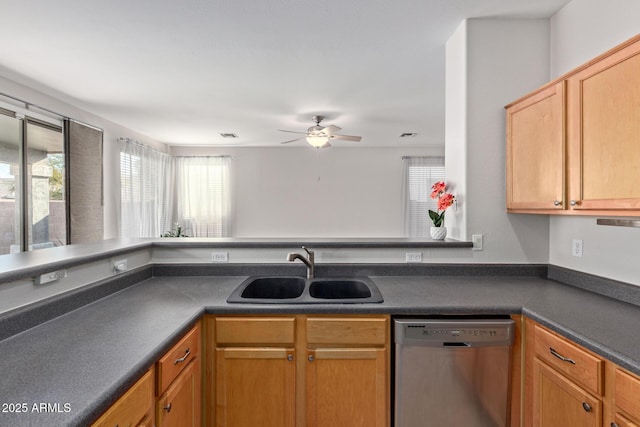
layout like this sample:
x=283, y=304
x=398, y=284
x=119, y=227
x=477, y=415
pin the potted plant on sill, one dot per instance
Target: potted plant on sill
x=438, y=191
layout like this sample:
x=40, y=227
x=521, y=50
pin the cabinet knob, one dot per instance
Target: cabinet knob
x=311, y=358
x=290, y=357
x=557, y=203
x=575, y=203
x=167, y=408
x=586, y=406
x=614, y=425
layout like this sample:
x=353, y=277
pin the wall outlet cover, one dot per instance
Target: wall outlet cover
x=220, y=257
x=576, y=248
x=477, y=242
x=413, y=257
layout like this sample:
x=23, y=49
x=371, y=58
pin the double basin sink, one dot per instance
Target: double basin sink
x=298, y=290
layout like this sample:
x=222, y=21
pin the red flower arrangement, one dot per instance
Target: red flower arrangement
x=438, y=191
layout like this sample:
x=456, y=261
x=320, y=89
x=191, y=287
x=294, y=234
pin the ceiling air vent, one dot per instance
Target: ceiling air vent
x=228, y=135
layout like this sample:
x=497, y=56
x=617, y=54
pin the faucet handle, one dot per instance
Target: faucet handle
x=310, y=253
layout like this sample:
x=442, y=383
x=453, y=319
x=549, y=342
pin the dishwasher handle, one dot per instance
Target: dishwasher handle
x=456, y=344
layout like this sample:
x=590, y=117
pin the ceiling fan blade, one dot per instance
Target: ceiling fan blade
x=292, y=131
x=293, y=140
x=331, y=129
x=347, y=137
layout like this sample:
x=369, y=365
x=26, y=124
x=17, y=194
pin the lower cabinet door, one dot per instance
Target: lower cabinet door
x=255, y=387
x=558, y=402
x=622, y=421
x=346, y=387
x=180, y=405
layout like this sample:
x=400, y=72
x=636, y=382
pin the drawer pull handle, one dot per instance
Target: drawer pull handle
x=187, y=353
x=586, y=406
x=167, y=408
x=561, y=357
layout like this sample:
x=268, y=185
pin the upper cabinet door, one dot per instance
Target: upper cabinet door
x=604, y=133
x=535, y=151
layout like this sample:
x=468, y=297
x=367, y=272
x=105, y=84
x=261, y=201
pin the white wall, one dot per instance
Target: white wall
x=456, y=131
x=304, y=192
x=111, y=161
x=580, y=31
x=501, y=60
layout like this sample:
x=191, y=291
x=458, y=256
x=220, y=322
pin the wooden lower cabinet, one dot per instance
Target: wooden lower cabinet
x=558, y=402
x=567, y=385
x=346, y=387
x=298, y=371
x=255, y=387
x=180, y=404
x=179, y=383
x=134, y=408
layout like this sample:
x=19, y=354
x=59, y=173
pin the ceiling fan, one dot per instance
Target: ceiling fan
x=319, y=136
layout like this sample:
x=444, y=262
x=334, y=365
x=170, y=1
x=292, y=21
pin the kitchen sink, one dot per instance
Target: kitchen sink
x=274, y=288
x=339, y=289
x=298, y=290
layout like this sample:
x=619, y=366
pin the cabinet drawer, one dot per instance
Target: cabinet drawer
x=353, y=331
x=578, y=364
x=622, y=421
x=255, y=330
x=132, y=407
x=628, y=393
x=176, y=359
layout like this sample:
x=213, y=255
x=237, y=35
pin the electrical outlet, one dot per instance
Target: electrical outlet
x=413, y=257
x=576, y=248
x=477, y=242
x=50, y=277
x=220, y=257
x=119, y=266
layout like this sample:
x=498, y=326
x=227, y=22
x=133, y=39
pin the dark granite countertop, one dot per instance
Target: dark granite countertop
x=89, y=356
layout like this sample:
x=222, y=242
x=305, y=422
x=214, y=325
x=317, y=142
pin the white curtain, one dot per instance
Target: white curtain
x=420, y=173
x=203, y=195
x=146, y=190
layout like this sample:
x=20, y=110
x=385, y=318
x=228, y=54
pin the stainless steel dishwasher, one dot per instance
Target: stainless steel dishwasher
x=452, y=372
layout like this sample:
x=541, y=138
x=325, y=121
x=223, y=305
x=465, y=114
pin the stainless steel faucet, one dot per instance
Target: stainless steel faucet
x=308, y=261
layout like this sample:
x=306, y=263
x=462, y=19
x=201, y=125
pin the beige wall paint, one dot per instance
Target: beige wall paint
x=305, y=192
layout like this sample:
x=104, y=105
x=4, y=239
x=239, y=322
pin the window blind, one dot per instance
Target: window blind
x=420, y=173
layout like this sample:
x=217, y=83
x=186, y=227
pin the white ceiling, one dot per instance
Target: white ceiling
x=184, y=71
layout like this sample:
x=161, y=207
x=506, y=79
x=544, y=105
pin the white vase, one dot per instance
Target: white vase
x=438, y=233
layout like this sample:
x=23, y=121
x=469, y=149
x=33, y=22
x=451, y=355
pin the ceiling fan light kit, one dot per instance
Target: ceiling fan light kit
x=318, y=136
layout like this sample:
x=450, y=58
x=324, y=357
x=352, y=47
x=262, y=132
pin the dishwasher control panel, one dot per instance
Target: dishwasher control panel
x=454, y=333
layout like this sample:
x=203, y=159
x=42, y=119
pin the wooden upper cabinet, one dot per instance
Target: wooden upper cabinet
x=604, y=132
x=573, y=146
x=535, y=150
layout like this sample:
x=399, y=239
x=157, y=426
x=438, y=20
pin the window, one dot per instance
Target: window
x=33, y=193
x=420, y=173
x=203, y=195
x=146, y=190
